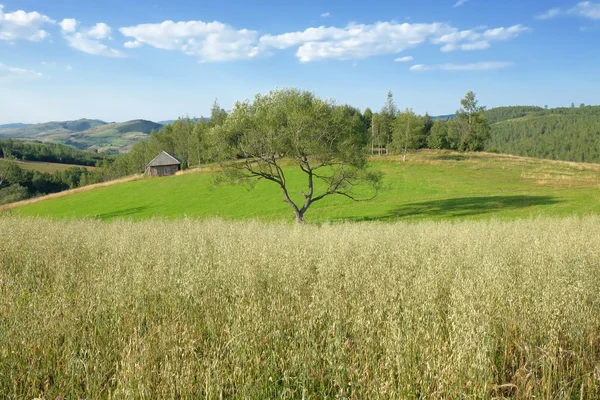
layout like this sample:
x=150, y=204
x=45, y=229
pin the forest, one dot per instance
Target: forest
x=568, y=133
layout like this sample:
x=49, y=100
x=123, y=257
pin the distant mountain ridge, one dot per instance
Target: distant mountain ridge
x=85, y=134
x=14, y=126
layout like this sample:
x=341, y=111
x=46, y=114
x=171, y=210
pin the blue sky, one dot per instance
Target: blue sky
x=117, y=60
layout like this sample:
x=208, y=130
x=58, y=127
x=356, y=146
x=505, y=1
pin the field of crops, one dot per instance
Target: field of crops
x=216, y=309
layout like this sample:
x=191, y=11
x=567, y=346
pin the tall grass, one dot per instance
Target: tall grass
x=219, y=309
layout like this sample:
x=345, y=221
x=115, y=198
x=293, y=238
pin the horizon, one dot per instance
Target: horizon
x=62, y=61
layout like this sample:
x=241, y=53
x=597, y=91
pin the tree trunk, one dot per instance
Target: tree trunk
x=299, y=217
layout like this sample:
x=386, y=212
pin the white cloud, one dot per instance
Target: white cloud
x=475, y=40
x=325, y=15
x=460, y=3
x=23, y=25
x=481, y=66
x=99, y=31
x=89, y=40
x=80, y=41
x=586, y=9
x=216, y=41
x=68, y=68
x=212, y=41
x=68, y=25
x=132, y=44
x=7, y=72
x=549, y=14
x=356, y=41
x=404, y=59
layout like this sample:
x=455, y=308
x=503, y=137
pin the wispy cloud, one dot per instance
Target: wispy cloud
x=474, y=39
x=23, y=25
x=553, y=12
x=481, y=66
x=88, y=40
x=460, y=3
x=132, y=44
x=7, y=72
x=586, y=9
x=404, y=59
x=325, y=15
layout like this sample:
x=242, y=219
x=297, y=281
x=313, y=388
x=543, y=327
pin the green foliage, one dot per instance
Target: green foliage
x=325, y=141
x=408, y=132
x=438, y=136
x=500, y=114
x=48, y=152
x=472, y=128
x=17, y=184
x=12, y=193
x=571, y=134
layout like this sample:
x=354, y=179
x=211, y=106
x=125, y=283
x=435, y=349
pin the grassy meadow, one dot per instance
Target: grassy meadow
x=249, y=309
x=48, y=166
x=434, y=185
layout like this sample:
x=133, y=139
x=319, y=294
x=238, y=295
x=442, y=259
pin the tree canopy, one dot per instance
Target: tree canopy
x=326, y=141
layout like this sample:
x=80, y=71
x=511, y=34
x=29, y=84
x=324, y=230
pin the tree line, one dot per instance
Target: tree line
x=18, y=184
x=389, y=131
x=49, y=152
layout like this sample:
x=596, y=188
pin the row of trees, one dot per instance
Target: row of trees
x=399, y=131
x=17, y=183
x=48, y=152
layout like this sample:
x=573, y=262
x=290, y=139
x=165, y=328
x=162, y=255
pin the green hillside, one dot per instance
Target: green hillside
x=430, y=185
x=51, y=128
x=571, y=134
x=85, y=134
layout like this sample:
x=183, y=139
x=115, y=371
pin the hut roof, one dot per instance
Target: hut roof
x=164, y=158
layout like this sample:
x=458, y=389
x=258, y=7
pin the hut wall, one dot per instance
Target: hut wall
x=164, y=170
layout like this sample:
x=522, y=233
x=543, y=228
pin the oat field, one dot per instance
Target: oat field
x=253, y=310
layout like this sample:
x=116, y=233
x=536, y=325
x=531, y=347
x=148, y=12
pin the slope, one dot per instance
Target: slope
x=86, y=134
x=571, y=134
x=430, y=185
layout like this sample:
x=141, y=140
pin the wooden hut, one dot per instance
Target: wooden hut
x=163, y=164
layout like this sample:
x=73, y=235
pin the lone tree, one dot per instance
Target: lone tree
x=471, y=123
x=292, y=127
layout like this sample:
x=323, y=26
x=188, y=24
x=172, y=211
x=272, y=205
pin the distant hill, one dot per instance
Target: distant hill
x=14, y=126
x=570, y=134
x=444, y=117
x=87, y=134
x=51, y=128
x=171, y=121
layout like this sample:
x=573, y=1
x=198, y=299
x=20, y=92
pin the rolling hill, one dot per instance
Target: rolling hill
x=14, y=126
x=86, y=134
x=437, y=185
x=571, y=134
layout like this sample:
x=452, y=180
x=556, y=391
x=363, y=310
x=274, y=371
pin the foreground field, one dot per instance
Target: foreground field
x=217, y=309
x=431, y=185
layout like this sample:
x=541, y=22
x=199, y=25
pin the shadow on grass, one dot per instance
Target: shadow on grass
x=127, y=212
x=451, y=157
x=461, y=207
